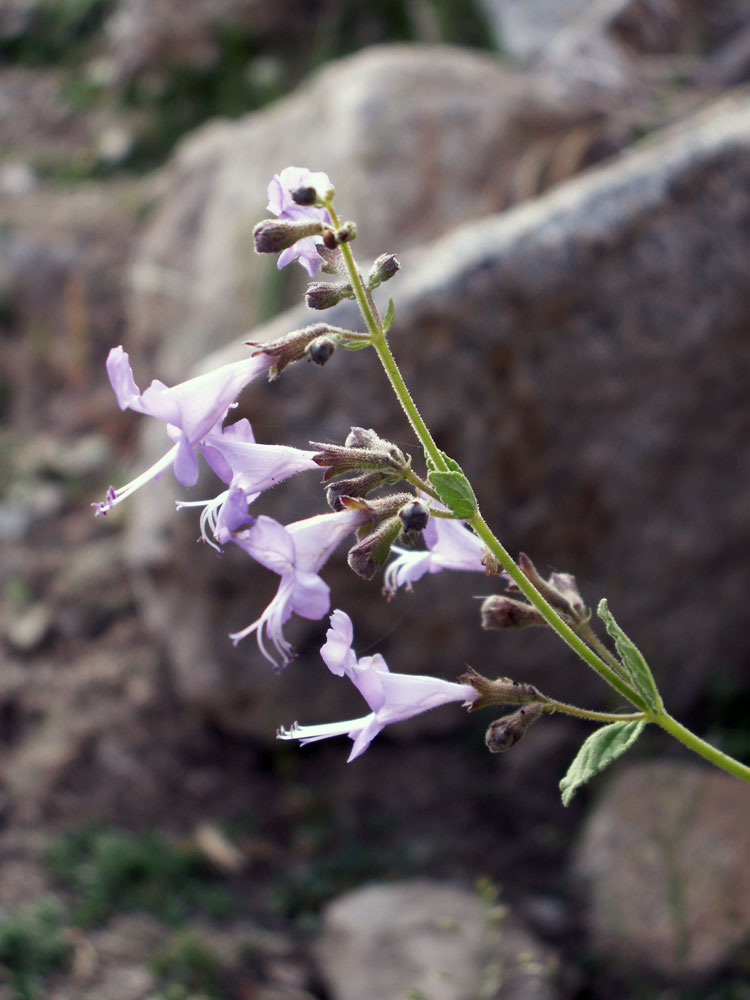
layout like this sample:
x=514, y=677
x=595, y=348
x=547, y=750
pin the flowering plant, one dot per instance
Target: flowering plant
x=376, y=496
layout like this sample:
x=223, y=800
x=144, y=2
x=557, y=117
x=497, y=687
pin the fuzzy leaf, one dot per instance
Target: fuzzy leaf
x=390, y=313
x=455, y=491
x=598, y=751
x=632, y=659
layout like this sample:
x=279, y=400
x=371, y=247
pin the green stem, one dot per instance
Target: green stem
x=379, y=342
x=703, y=749
x=584, y=713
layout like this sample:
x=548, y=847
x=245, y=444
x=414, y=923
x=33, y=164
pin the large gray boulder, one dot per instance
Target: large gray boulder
x=583, y=357
x=663, y=862
x=423, y=938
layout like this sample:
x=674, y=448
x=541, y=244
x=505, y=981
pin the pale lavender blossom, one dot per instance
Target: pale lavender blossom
x=191, y=410
x=450, y=545
x=296, y=552
x=281, y=203
x=248, y=469
x=391, y=697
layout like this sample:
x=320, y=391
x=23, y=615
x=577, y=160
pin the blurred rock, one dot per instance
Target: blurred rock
x=525, y=28
x=664, y=859
x=428, y=939
x=62, y=261
x=598, y=398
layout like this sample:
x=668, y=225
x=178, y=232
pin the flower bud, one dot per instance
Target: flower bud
x=275, y=235
x=371, y=553
x=506, y=731
x=346, y=233
x=304, y=196
x=414, y=516
x=320, y=350
x=385, y=267
x=325, y=295
x=504, y=612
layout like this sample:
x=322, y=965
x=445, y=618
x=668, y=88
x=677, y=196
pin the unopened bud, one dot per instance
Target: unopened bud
x=504, y=612
x=505, y=732
x=385, y=266
x=325, y=295
x=320, y=350
x=275, y=235
x=329, y=239
x=304, y=196
x=346, y=233
x=372, y=552
x=414, y=516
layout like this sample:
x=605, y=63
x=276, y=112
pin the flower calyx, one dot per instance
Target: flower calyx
x=501, y=691
x=363, y=451
x=275, y=235
x=505, y=732
x=559, y=589
x=315, y=342
x=499, y=612
x=326, y=294
x=394, y=518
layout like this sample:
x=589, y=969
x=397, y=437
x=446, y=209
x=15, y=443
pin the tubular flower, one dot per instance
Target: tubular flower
x=248, y=469
x=191, y=410
x=391, y=697
x=450, y=545
x=281, y=202
x=296, y=552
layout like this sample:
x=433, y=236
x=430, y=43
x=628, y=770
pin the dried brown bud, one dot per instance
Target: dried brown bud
x=505, y=612
x=506, y=731
x=363, y=450
x=560, y=589
x=501, y=691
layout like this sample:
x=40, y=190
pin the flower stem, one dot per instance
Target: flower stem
x=550, y=705
x=379, y=342
x=703, y=749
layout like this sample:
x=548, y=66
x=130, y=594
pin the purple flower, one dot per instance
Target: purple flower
x=191, y=410
x=450, y=545
x=281, y=203
x=391, y=697
x=296, y=552
x=248, y=469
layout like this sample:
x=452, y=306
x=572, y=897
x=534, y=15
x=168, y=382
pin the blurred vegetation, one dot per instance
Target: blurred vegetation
x=109, y=870
x=245, y=73
x=32, y=944
x=186, y=967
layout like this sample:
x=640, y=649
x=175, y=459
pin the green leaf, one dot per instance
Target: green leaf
x=455, y=491
x=599, y=750
x=390, y=313
x=632, y=659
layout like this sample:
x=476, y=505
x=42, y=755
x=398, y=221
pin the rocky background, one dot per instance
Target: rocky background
x=567, y=185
